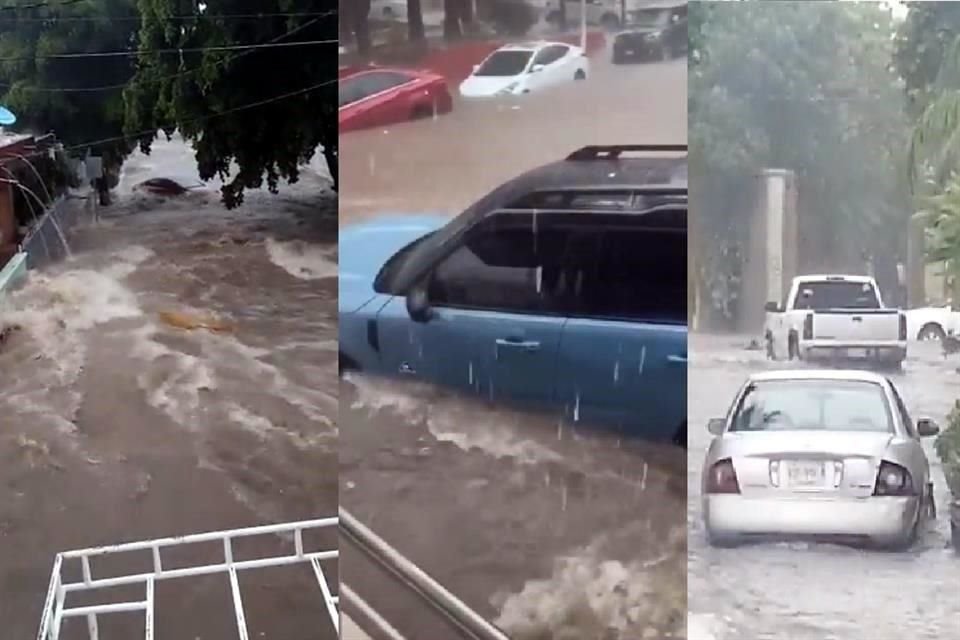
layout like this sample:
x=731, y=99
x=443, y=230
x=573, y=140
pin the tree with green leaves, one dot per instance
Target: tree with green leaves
x=806, y=87
x=256, y=96
x=78, y=98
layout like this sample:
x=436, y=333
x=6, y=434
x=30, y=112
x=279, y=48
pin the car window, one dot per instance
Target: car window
x=904, y=414
x=551, y=54
x=813, y=405
x=495, y=268
x=639, y=272
x=362, y=86
x=818, y=296
x=589, y=265
x=504, y=63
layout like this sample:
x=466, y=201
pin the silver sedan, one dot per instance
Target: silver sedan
x=817, y=454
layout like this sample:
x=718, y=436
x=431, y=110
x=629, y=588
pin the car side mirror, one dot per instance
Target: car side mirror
x=418, y=306
x=772, y=307
x=716, y=426
x=927, y=427
x=537, y=68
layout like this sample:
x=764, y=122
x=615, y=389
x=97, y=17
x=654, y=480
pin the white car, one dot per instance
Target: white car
x=932, y=323
x=525, y=68
x=817, y=454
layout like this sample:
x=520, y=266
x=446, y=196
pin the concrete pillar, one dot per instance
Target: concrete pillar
x=770, y=259
x=916, y=265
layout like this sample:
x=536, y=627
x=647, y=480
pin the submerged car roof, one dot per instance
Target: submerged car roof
x=852, y=375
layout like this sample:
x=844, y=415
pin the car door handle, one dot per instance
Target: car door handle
x=514, y=343
x=675, y=359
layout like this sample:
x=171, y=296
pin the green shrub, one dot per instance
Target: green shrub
x=947, y=446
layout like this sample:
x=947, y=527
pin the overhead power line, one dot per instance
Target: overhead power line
x=114, y=87
x=41, y=5
x=129, y=54
x=243, y=107
x=197, y=17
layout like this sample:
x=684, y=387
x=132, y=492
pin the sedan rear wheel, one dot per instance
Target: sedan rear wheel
x=931, y=331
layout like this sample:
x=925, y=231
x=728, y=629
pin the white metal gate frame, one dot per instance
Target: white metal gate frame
x=55, y=611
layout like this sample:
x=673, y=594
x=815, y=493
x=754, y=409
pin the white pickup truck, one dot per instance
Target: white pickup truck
x=836, y=317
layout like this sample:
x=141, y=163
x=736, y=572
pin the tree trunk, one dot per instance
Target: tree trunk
x=451, y=20
x=361, y=27
x=415, y=21
x=466, y=13
x=562, y=16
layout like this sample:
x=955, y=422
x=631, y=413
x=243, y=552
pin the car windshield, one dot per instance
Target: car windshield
x=813, y=405
x=818, y=296
x=504, y=63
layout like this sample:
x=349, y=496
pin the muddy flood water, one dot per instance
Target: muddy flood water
x=177, y=375
x=548, y=529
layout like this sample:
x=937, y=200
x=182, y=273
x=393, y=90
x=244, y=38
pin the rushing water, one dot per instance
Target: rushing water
x=548, y=529
x=817, y=592
x=175, y=375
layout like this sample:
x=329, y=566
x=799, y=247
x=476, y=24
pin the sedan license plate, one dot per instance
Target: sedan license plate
x=856, y=353
x=806, y=475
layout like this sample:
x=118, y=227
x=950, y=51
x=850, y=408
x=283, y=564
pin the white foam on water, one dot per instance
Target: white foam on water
x=175, y=387
x=589, y=597
x=489, y=436
x=302, y=260
x=454, y=420
x=705, y=626
x=56, y=310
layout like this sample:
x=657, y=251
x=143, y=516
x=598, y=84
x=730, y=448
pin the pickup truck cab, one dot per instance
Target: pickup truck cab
x=836, y=317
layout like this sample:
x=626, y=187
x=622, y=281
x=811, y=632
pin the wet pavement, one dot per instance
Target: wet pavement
x=809, y=591
x=176, y=376
x=548, y=530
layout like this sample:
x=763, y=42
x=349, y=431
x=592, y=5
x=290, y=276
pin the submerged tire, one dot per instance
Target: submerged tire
x=931, y=331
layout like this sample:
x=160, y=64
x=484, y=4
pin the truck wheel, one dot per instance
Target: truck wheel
x=793, y=347
x=931, y=331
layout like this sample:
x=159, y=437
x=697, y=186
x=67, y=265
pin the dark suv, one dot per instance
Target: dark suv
x=653, y=33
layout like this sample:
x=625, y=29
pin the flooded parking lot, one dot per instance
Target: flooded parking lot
x=549, y=529
x=817, y=592
x=175, y=376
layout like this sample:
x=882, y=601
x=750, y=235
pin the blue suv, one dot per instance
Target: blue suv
x=563, y=288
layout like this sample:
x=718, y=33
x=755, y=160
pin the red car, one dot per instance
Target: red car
x=380, y=97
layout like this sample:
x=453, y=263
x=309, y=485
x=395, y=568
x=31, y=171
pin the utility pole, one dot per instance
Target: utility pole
x=583, y=25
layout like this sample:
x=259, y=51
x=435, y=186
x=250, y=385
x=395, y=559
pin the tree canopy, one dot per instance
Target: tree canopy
x=807, y=87
x=264, y=110
x=80, y=99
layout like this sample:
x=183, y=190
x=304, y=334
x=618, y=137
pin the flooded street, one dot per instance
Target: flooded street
x=175, y=376
x=549, y=530
x=807, y=591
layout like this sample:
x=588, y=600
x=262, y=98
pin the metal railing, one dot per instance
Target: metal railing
x=55, y=610
x=471, y=624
